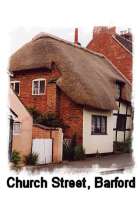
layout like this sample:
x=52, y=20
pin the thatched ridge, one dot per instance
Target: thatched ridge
x=87, y=77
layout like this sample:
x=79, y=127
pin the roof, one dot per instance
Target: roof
x=88, y=78
x=45, y=127
x=125, y=42
x=13, y=113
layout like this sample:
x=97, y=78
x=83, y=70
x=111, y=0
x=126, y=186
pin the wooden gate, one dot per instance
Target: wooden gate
x=43, y=147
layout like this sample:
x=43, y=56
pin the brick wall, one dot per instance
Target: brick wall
x=72, y=115
x=42, y=103
x=54, y=100
x=42, y=132
x=104, y=43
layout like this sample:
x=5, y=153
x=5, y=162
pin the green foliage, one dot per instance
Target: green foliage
x=69, y=149
x=123, y=147
x=49, y=119
x=53, y=80
x=79, y=153
x=66, y=151
x=73, y=151
x=35, y=114
x=72, y=147
x=15, y=158
x=31, y=159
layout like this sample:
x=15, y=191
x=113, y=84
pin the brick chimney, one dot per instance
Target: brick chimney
x=126, y=34
x=76, y=36
x=103, y=30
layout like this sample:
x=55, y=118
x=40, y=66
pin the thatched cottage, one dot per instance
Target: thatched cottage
x=90, y=96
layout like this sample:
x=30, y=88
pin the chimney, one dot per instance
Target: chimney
x=76, y=36
x=126, y=34
x=100, y=30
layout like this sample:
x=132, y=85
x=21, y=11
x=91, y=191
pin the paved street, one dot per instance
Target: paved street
x=104, y=164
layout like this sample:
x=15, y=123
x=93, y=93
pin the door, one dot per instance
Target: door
x=43, y=148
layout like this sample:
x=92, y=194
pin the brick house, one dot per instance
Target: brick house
x=88, y=94
x=116, y=47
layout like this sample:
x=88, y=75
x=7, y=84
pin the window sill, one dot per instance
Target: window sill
x=16, y=134
x=38, y=94
x=99, y=134
x=114, y=129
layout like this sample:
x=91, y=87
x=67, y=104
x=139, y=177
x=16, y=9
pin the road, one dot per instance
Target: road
x=103, y=164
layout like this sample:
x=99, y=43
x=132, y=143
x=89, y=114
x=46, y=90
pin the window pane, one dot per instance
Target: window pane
x=118, y=90
x=16, y=127
x=42, y=87
x=35, y=87
x=98, y=125
x=103, y=125
x=17, y=88
x=121, y=122
x=92, y=125
x=12, y=86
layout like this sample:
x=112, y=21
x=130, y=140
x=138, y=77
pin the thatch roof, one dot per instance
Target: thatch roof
x=86, y=77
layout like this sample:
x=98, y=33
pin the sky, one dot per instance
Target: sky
x=21, y=35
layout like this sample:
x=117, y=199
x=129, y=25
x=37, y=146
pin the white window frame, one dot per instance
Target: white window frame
x=15, y=132
x=14, y=82
x=39, y=79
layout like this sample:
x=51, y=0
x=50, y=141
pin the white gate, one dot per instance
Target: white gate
x=43, y=147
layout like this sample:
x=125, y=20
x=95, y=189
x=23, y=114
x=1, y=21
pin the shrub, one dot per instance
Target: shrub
x=35, y=114
x=79, y=153
x=69, y=149
x=15, y=157
x=123, y=147
x=31, y=159
x=72, y=147
x=73, y=151
x=66, y=151
x=49, y=119
x=128, y=145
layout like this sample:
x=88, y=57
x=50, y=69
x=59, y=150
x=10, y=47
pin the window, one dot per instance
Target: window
x=15, y=85
x=98, y=125
x=121, y=122
x=38, y=86
x=16, y=128
x=118, y=90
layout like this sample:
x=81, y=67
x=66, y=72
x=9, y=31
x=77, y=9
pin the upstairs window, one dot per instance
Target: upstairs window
x=121, y=122
x=98, y=125
x=118, y=90
x=15, y=85
x=38, y=86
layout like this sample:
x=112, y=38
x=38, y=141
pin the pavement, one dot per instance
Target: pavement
x=104, y=164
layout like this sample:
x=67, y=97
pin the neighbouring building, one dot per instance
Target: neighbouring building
x=20, y=138
x=89, y=95
x=116, y=47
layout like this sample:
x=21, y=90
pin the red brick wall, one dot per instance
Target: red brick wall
x=56, y=135
x=40, y=133
x=42, y=103
x=104, y=43
x=72, y=115
x=54, y=100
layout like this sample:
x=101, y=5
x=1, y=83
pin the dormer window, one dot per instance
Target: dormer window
x=118, y=90
x=38, y=86
x=15, y=85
